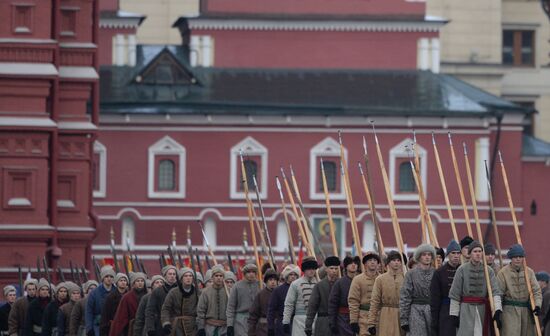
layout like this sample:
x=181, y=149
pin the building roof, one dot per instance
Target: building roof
x=533, y=147
x=186, y=90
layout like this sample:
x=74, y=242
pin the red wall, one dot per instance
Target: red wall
x=377, y=7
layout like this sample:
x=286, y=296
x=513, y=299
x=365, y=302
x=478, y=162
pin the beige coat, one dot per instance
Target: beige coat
x=384, y=304
x=359, y=297
x=517, y=320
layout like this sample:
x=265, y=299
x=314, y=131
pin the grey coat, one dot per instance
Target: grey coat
x=414, y=301
x=318, y=306
x=154, y=305
x=139, y=321
x=238, y=305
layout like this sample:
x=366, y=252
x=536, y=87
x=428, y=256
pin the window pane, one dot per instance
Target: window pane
x=251, y=168
x=166, y=175
x=527, y=47
x=330, y=173
x=507, y=47
x=406, y=179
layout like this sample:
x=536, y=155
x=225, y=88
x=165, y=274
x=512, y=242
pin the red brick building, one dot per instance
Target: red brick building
x=275, y=79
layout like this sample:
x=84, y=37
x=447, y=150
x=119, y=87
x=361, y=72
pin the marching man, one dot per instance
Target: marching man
x=360, y=294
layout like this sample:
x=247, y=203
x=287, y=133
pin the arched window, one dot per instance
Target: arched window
x=251, y=168
x=406, y=178
x=128, y=235
x=330, y=173
x=255, y=163
x=166, y=176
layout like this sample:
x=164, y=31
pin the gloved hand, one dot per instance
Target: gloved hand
x=90, y=332
x=286, y=328
x=167, y=329
x=355, y=327
x=455, y=320
x=372, y=330
x=230, y=331
x=498, y=318
x=308, y=332
x=406, y=328
x=201, y=332
x=536, y=311
x=270, y=332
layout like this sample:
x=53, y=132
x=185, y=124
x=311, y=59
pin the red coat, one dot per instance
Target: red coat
x=125, y=312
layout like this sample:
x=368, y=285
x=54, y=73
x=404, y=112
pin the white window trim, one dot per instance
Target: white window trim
x=100, y=149
x=329, y=147
x=128, y=230
x=251, y=147
x=166, y=146
x=398, y=151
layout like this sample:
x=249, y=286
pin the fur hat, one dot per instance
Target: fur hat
x=185, y=270
x=370, y=255
x=489, y=249
x=217, y=269
x=465, y=241
x=59, y=286
x=72, y=287
x=31, y=281
x=107, y=270
x=440, y=252
x=137, y=275
x=332, y=261
x=208, y=276
x=8, y=289
x=250, y=268
x=270, y=274
x=542, y=276
x=43, y=283
x=309, y=263
x=166, y=268
x=423, y=248
x=290, y=268
x=393, y=255
x=121, y=276
x=515, y=250
x=228, y=275
x=157, y=277
x=473, y=245
x=200, y=277
x=86, y=286
x=453, y=247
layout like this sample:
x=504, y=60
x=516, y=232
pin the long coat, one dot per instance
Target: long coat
x=517, y=320
x=212, y=307
x=94, y=306
x=338, y=307
x=180, y=311
x=108, y=312
x=257, y=317
x=414, y=301
x=276, y=309
x=4, y=315
x=49, y=319
x=296, y=303
x=318, y=306
x=139, y=321
x=33, y=318
x=18, y=311
x=154, y=305
x=545, y=311
x=240, y=300
x=469, y=282
x=384, y=304
x=76, y=322
x=64, y=318
x=359, y=299
x=440, y=302
x=126, y=312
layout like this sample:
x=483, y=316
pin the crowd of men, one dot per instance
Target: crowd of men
x=438, y=292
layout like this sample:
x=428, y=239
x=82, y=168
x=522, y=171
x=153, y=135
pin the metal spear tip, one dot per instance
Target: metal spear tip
x=360, y=167
x=340, y=136
x=283, y=173
x=364, y=145
x=465, y=148
x=450, y=138
x=500, y=156
x=414, y=135
x=291, y=171
x=433, y=138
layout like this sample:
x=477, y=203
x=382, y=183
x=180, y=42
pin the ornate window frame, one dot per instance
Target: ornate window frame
x=249, y=146
x=399, y=152
x=328, y=147
x=101, y=150
x=166, y=146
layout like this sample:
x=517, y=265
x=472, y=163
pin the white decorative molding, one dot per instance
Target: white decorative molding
x=101, y=150
x=125, y=23
x=328, y=147
x=250, y=147
x=166, y=146
x=210, y=232
x=399, y=151
x=282, y=236
x=369, y=236
x=128, y=235
x=481, y=156
x=316, y=25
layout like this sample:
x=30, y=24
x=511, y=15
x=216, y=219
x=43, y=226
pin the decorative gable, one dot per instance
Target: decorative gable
x=166, y=69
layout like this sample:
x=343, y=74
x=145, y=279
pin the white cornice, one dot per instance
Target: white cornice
x=318, y=25
x=119, y=22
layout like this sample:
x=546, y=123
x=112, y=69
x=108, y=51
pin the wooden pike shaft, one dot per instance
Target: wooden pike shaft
x=349, y=197
x=261, y=232
x=493, y=215
x=265, y=229
x=480, y=237
x=444, y=188
x=214, y=258
x=460, y=189
x=518, y=237
x=329, y=211
x=250, y=209
x=285, y=215
x=395, y=221
x=423, y=206
x=296, y=214
x=417, y=181
x=303, y=215
x=372, y=211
